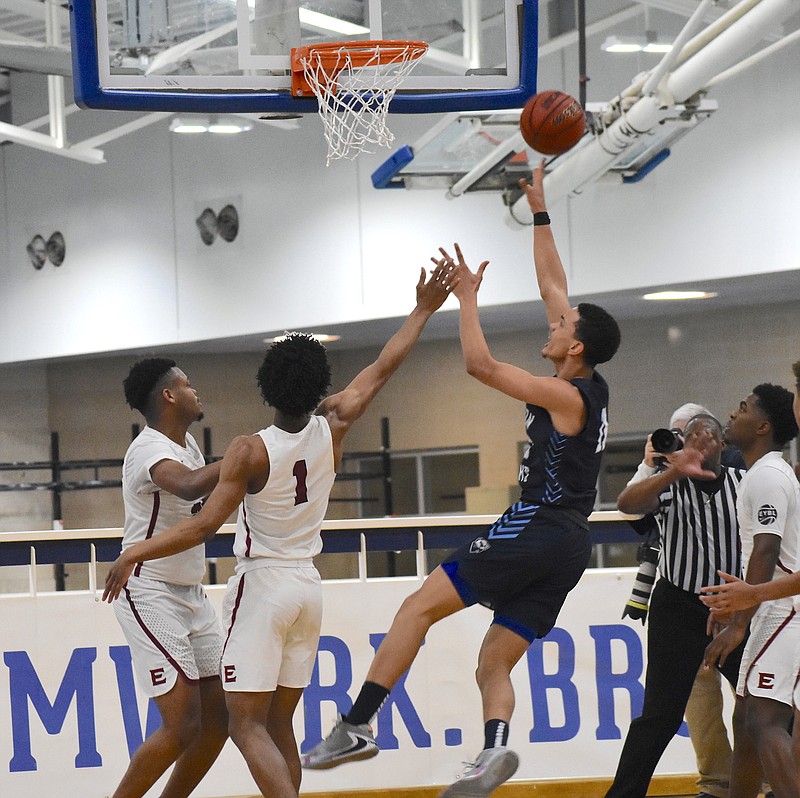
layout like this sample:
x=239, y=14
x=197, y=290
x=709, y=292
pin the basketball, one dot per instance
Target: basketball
x=552, y=122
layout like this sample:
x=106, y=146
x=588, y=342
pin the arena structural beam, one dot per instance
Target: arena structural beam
x=720, y=47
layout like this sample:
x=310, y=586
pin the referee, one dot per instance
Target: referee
x=695, y=500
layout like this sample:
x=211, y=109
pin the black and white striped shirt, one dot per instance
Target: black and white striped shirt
x=699, y=530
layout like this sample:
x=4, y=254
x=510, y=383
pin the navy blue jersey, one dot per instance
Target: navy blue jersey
x=561, y=470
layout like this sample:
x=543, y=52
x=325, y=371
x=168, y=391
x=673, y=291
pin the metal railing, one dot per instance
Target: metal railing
x=357, y=536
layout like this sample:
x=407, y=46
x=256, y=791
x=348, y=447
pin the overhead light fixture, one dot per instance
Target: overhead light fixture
x=658, y=47
x=183, y=125
x=323, y=338
x=678, y=295
x=648, y=43
x=617, y=44
x=205, y=124
x=314, y=19
x=227, y=126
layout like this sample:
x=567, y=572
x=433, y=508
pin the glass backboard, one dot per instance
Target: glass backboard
x=234, y=55
x=484, y=150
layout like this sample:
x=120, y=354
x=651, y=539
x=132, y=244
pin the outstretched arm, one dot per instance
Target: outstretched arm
x=777, y=494
x=550, y=272
x=736, y=594
x=561, y=399
x=186, y=483
x=642, y=496
x=760, y=568
x=343, y=408
x=244, y=461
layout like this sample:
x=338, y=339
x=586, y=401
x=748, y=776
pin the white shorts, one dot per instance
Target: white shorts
x=171, y=630
x=797, y=691
x=271, y=616
x=797, y=678
x=769, y=664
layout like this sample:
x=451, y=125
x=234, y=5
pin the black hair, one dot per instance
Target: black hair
x=143, y=378
x=705, y=417
x=295, y=374
x=598, y=332
x=775, y=402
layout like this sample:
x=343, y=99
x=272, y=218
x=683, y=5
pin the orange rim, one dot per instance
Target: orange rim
x=361, y=53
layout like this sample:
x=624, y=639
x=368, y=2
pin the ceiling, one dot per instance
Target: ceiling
x=24, y=47
x=35, y=37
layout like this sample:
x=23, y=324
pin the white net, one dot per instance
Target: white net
x=354, y=87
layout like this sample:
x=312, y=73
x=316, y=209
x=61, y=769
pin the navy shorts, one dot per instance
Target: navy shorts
x=523, y=567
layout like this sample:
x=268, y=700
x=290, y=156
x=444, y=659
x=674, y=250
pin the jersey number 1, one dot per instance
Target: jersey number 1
x=300, y=473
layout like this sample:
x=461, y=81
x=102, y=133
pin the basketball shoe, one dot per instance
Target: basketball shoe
x=492, y=767
x=347, y=742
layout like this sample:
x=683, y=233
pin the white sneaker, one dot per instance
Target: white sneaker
x=492, y=767
x=347, y=742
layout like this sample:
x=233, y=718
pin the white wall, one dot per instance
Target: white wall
x=321, y=246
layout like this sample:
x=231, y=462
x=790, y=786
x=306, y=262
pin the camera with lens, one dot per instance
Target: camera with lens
x=667, y=441
x=648, y=552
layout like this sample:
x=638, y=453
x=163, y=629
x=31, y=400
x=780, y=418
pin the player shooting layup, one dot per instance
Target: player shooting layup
x=535, y=553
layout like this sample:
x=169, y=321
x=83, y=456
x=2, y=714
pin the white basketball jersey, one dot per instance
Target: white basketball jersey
x=284, y=519
x=769, y=503
x=150, y=510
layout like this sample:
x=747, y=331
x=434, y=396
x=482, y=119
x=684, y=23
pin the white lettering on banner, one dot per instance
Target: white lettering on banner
x=70, y=712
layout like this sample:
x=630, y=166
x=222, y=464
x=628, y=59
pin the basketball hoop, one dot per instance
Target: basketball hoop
x=354, y=82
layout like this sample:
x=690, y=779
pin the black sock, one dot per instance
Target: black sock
x=367, y=704
x=495, y=733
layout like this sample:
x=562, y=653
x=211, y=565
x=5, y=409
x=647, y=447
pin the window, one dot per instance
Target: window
x=424, y=482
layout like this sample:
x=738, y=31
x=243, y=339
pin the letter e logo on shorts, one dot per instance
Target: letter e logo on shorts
x=229, y=673
x=767, y=514
x=158, y=677
x=479, y=545
x=766, y=681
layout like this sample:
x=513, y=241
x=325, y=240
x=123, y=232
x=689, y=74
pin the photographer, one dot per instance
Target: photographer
x=694, y=498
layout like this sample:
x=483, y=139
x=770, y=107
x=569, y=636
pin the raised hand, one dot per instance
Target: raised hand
x=432, y=293
x=462, y=281
x=534, y=191
x=691, y=460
